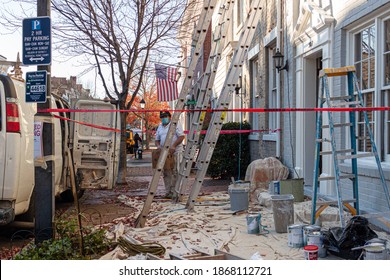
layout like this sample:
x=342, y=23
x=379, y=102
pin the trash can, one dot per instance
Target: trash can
x=283, y=208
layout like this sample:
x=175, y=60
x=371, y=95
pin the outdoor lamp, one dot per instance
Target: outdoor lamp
x=142, y=103
x=278, y=61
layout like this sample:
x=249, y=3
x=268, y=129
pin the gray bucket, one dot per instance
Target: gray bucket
x=239, y=196
x=283, y=209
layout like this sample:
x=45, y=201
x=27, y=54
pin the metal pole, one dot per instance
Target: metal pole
x=44, y=178
x=142, y=130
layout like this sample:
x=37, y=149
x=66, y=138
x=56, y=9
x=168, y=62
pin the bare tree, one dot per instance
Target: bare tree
x=119, y=38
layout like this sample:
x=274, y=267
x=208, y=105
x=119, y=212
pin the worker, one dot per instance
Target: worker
x=176, y=148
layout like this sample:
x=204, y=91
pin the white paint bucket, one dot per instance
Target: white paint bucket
x=316, y=238
x=309, y=229
x=311, y=252
x=375, y=252
x=253, y=223
x=295, y=236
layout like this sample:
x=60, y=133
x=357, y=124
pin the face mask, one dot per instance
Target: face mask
x=165, y=121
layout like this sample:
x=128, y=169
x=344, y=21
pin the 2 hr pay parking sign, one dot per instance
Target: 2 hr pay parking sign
x=37, y=41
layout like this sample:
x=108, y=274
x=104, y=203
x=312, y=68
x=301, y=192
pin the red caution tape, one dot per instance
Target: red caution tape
x=247, y=110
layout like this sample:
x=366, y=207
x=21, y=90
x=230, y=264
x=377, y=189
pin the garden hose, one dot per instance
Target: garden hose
x=135, y=249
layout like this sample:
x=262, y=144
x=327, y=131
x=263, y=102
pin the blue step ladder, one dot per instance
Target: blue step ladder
x=352, y=100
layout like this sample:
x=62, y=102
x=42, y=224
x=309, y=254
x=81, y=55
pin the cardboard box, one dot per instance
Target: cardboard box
x=169, y=163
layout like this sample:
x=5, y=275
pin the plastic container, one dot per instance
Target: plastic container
x=311, y=252
x=309, y=229
x=239, y=196
x=283, y=208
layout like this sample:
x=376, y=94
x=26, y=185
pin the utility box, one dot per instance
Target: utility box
x=294, y=187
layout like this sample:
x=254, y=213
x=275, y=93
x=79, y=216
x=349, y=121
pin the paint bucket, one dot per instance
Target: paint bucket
x=375, y=252
x=309, y=229
x=377, y=241
x=311, y=252
x=253, y=223
x=295, y=236
x=274, y=187
x=316, y=238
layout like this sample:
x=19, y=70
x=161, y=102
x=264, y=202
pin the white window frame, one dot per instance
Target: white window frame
x=381, y=92
x=272, y=96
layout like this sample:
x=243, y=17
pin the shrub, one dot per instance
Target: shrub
x=66, y=245
x=225, y=160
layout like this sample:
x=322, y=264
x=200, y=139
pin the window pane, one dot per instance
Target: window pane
x=387, y=36
x=358, y=47
x=372, y=72
x=387, y=68
x=372, y=41
x=364, y=75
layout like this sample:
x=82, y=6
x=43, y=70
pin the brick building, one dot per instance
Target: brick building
x=69, y=88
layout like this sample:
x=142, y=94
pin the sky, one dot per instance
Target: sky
x=11, y=44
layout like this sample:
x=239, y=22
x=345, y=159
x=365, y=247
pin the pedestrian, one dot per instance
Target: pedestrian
x=137, y=144
x=176, y=148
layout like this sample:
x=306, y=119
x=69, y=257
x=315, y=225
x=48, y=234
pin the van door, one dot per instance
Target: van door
x=2, y=135
x=95, y=150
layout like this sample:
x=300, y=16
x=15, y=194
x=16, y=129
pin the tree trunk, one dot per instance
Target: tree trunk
x=122, y=152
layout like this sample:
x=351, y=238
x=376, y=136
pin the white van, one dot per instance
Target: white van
x=16, y=149
x=94, y=152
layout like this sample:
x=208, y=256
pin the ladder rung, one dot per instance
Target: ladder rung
x=332, y=202
x=337, y=152
x=338, y=125
x=337, y=104
x=355, y=156
x=334, y=98
x=346, y=176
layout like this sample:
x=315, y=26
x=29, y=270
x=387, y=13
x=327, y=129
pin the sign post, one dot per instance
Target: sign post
x=37, y=41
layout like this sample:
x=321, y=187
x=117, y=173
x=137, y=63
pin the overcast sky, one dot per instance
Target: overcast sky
x=11, y=44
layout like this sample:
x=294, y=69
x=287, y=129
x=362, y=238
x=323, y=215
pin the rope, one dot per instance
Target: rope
x=135, y=249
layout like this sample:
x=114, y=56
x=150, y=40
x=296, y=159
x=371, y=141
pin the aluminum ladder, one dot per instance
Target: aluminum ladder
x=203, y=99
x=198, y=38
x=218, y=117
x=352, y=100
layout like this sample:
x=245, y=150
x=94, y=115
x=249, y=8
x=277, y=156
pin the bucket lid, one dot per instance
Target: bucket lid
x=310, y=248
x=312, y=227
x=282, y=197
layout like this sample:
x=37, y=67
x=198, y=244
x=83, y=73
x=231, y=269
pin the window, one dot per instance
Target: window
x=254, y=117
x=371, y=45
x=272, y=91
x=240, y=12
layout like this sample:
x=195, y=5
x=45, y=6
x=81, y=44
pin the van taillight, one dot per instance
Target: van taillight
x=12, y=121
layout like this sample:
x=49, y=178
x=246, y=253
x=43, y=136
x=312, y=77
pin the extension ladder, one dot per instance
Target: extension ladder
x=203, y=98
x=218, y=117
x=197, y=41
x=338, y=154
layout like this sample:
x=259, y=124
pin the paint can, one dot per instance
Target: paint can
x=274, y=187
x=375, y=252
x=311, y=252
x=309, y=229
x=316, y=238
x=295, y=236
x=253, y=223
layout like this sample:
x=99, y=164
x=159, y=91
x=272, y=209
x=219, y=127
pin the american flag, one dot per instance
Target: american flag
x=166, y=83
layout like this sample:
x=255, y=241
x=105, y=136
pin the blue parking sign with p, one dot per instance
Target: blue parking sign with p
x=36, y=25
